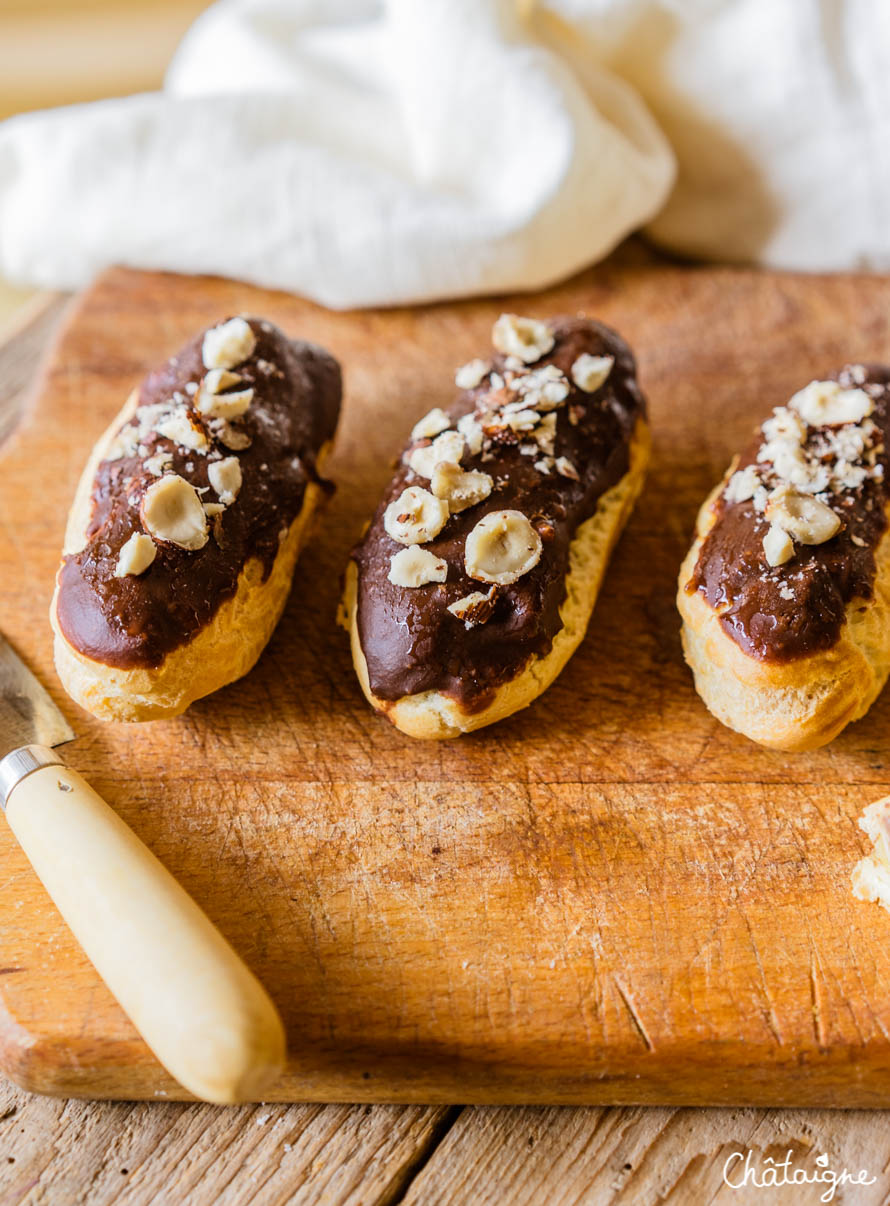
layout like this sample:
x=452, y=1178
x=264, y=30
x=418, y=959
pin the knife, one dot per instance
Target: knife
x=205, y=1016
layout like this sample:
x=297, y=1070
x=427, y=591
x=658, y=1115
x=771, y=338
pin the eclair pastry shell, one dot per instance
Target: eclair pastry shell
x=794, y=705
x=432, y=715
x=226, y=648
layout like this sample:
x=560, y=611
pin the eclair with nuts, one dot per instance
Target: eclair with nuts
x=188, y=520
x=478, y=574
x=785, y=593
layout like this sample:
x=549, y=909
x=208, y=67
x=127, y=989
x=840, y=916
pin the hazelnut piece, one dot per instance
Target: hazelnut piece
x=172, y=513
x=469, y=375
x=415, y=517
x=228, y=344
x=802, y=516
x=432, y=423
x=501, y=548
x=474, y=608
x=589, y=372
x=471, y=429
x=179, y=428
x=460, y=488
x=225, y=477
x=828, y=404
x=213, y=401
x=526, y=338
x=136, y=555
x=416, y=566
x=449, y=446
x=778, y=546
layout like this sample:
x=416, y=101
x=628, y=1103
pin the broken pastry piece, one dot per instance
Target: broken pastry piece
x=785, y=593
x=477, y=577
x=188, y=520
x=871, y=875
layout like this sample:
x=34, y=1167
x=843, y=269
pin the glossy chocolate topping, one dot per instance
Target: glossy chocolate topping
x=779, y=613
x=411, y=642
x=135, y=621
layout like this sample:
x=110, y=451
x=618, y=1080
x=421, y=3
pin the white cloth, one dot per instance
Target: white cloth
x=779, y=114
x=362, y=153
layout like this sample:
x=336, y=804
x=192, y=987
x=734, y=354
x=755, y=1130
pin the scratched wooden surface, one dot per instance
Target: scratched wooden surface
x=608, y=898
x=61, y=1153
x=76, y=1153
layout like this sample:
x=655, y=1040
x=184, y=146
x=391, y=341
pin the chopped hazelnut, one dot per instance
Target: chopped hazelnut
x=742, y=485
x=228, y=344
x=471, y=429
x=415, y=566
x=778, y=546
x=216, y=381
x=449, y=446
x=589, y=372
x=415, y=517
x=827, y=403
x=179, y=428
x=432, y=424
x=232, y=437
x=802, y=516
x=543, y=388
x=136, y=555
x=520, y=420
x=172, y=513
x=474, y=608
x=501, y=548
x=468, y=376
x=159, y=462
x=526, y=338
x=460, y=488
x=225, y=477
x=212, y=399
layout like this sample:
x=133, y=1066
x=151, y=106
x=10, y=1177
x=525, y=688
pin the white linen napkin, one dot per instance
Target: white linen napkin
x=366, y=153
x=778, y=112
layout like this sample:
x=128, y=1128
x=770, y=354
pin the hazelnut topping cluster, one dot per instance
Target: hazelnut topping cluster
x=816, y=452
x=205, y=420
x=516, y=405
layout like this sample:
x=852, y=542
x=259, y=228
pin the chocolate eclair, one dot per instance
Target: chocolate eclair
x=478, y=574
x=785, y=593
x=188, y=520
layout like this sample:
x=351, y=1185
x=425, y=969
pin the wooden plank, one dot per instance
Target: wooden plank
x=70, y=1153
x=541, y=1156
x=609, y=897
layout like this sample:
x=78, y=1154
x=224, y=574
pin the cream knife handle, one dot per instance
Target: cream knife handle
x=202, y=1012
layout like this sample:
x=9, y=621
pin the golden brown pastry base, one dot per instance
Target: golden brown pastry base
x=223, y=651
x=432, y=715
x=796, y=705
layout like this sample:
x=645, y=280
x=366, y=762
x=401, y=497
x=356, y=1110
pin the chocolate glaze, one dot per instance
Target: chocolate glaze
x=137, y=620
x=410, y=641
x=820, y=581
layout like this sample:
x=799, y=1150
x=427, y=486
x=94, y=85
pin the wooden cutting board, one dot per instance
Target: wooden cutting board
x=607, y=898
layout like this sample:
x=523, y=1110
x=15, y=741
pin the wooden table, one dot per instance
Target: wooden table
x=61, y=1152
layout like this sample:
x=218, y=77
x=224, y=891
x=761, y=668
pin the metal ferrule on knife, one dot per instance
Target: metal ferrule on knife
x=18, y=764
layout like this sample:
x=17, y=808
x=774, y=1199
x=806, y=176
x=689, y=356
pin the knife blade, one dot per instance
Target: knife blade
x=27, y=714
x=199, y=1008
